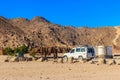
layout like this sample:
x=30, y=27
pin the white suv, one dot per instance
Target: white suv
x=80, y=53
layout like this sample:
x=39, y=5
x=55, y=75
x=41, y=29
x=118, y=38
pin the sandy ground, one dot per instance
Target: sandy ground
x=36, y=70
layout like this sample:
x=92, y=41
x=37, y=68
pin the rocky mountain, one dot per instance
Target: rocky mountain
x=39, y=32
x=10, y=36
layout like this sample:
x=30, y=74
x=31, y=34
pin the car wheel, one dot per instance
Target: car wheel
x=65, y=59
x=80, y=58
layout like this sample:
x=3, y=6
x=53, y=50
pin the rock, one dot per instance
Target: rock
x=42, y=59
x=111, y=62
x=101, y=61
x=117, y=61
x=12, y=59
x=91, y=62
x=6, y=60
x=30, y=59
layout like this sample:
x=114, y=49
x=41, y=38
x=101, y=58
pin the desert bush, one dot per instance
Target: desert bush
x=16, y=50
x=32, y=54
x=9, y=51
x=23, y=49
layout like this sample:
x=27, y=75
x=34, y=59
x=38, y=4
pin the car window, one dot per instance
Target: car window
x=72, y=51
x=82, y=49
x=77, y=49
x=90, y=50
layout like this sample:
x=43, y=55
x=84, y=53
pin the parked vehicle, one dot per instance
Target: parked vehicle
x=80, y=53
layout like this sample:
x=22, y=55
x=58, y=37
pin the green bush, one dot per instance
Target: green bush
x=23, y=49
x=16, y=50
x=8, y=51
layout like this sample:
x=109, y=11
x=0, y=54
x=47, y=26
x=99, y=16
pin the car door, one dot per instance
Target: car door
x=83, y=52
x=72, y=53
x=90, y=52
x=77, y=53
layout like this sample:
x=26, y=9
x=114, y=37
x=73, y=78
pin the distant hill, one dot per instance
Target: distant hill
x=41, y=32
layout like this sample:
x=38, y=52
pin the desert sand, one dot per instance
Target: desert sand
x=36, y=70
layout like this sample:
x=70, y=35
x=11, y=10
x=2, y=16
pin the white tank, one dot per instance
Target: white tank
x=96, y=51
x=101, y=51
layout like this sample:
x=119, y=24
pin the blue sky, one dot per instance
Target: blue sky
x=92, y=13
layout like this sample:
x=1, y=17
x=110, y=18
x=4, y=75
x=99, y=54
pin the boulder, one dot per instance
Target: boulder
x=101, y=61
x=111, y=62
x=117, y=61
x=12, y=59
x=42, y=59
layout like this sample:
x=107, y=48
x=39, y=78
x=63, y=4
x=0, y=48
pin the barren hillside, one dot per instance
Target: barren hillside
x=11, y=36
x=39, y=31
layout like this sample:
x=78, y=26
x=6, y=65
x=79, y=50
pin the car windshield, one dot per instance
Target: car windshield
x=72, y=51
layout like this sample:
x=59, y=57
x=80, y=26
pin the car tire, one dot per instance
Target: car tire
x=80, y=58
x=65, y=59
